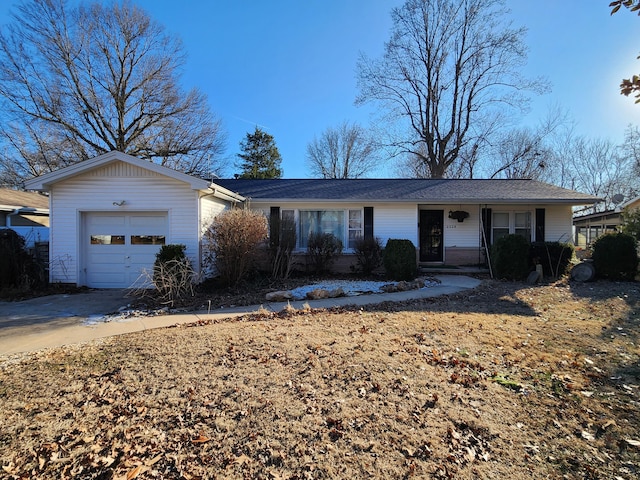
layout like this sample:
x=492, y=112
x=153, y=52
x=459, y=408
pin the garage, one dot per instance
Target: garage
x=111, y=214
x=119, y=247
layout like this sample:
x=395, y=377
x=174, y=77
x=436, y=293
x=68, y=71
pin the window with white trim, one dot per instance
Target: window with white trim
x=506, y=223
x=500, y=225
x=346, y=225
x=522, y=224
x=355, y=227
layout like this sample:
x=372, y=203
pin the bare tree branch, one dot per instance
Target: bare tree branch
x=448, y=65
x=346, y=151
x=76, y=82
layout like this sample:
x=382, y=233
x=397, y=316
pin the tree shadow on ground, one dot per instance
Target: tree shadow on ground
x=610, y=291
x=491, y=297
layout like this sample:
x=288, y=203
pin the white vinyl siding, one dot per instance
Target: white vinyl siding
x=558, y=223
x=463, y=234
x=396, y=221
x=97, y=191
x=210, y=208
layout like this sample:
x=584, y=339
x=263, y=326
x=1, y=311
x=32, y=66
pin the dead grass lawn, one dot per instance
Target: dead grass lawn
x=506, y=381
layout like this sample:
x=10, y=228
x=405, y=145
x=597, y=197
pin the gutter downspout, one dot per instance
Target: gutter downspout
x=13, y=214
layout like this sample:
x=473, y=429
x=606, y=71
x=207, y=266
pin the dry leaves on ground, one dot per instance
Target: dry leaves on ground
x=506, y=381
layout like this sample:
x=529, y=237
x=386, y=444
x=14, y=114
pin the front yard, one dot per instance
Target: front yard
x=506, y=381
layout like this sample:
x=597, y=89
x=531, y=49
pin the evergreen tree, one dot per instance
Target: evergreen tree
x=260, y=157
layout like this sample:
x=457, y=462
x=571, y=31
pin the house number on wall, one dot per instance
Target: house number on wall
x=451, y=226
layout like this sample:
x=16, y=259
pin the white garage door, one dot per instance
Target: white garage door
x=118, y=247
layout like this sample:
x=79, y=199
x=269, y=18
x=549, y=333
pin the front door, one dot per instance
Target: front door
x=431, y=235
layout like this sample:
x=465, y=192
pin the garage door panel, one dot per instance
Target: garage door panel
x=107, y=262
x=119, y=248
x=106, y=220
x=143, y=259
x=146, y=221
x=106, y=280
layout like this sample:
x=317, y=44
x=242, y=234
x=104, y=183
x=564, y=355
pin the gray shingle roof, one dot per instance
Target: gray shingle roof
x=18, y=199
x=406, y=190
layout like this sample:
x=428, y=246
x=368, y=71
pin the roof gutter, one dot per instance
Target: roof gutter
x=20, y=210
x=224, y=194
x=424, y=201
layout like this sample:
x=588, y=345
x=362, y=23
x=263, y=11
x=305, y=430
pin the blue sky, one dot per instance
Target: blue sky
x=288, y=66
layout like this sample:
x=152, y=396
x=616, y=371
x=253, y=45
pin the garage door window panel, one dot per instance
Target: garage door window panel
x=107, y=239
x=147, y=239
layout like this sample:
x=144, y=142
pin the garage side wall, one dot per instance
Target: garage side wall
x=210, y=208
x=117, y=188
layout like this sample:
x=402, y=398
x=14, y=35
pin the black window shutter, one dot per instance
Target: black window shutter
x=274, y=225
x=486, y=224
x=368, y=222
x=540, y=212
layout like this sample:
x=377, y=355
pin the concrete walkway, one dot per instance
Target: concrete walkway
x=60, y=320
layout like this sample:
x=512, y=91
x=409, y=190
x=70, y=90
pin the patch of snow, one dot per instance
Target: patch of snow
x=352, y=288
x=123, y=316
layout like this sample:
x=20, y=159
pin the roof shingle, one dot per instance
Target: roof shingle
x=406, y=190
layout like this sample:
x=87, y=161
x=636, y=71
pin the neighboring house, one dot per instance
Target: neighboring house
x=589, y=227
x=27, y=213
x=110, y=214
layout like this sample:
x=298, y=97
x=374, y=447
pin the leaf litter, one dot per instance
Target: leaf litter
x=486, y=384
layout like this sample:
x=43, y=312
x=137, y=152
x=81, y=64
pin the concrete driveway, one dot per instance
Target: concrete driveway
x=42, y=314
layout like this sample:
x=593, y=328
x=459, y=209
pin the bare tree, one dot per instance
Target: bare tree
x=347, y=151
x=527, y=152
x=76, y=82
x=631, y=146
x=465, y=165
x=449, y=67
x=595, y=166
x=519, y=154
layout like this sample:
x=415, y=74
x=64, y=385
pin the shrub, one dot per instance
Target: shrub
x=510, y=257
x=170, y=252
x=18, y=269
x=400, y=260
x=631, y=222
x=615, y=256
x=173, y=274
x=282, y=246
x=231, y=243
x=368, y=252
x=553, y=256
x=323, y=250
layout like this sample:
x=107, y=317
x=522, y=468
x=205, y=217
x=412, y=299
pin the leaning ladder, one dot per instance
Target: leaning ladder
x=486, y=243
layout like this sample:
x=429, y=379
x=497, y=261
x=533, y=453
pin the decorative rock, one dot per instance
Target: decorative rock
x=534, y=277
x=583, y=272
x=337, y=292
x=318, y=294
x=402, y=286
x=279, y=296
x=389, y=288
